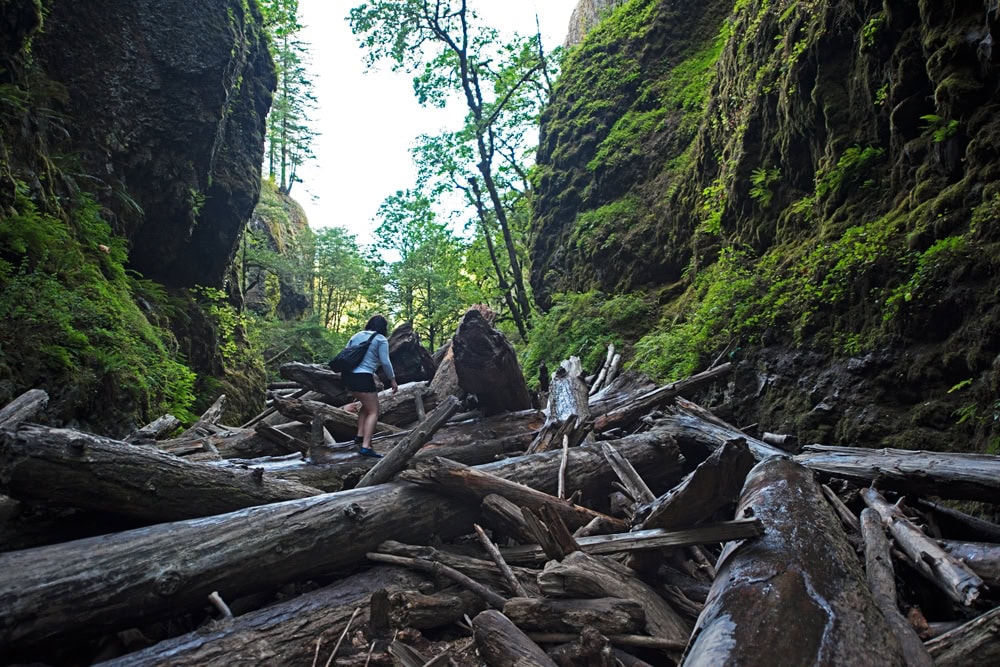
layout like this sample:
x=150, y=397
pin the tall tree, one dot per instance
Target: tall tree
x=502, y=86
x=289, y=131
x=338, y=278
x=427, y=283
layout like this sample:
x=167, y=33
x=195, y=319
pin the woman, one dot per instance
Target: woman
x=361, y=381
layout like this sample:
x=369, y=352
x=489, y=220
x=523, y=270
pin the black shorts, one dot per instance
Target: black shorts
x=359, y=382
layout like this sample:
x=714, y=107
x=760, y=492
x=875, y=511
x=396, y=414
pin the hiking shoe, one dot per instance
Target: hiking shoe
x=371, y=453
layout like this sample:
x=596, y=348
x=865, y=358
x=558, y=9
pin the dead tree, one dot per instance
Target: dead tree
x=487, y=366
x=827, y=614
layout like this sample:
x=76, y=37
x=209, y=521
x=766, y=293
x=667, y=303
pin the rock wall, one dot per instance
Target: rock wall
x=585, y=16
x=835, y=161
x=166, y=104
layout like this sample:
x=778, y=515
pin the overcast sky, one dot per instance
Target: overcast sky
x=368, y=120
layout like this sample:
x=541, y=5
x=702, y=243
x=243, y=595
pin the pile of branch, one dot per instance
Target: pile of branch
x=621, y=525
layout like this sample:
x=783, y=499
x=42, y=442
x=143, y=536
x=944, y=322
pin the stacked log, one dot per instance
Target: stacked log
x=499, y=536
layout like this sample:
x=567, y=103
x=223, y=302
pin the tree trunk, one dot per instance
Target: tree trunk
x=609, y=615
x=410, y=360
x=487, y=366
x=282, y=634
x=73, y=469
x=942, y=474
x=502, y=644
x=115, y=581
x=317, y=378
x=826, y=614
x=973, y=644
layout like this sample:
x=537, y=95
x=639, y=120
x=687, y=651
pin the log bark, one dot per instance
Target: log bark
x=473, y=485
x=410, y=609
x=691, y=429
x=410, y=360
x=24, y=407
x=317, y=378
x=400, y=454
x=502, y=644
x=609, y=615
x=951, y=575
x=959, y=525
x=281, y=634
x=445, y=380
x=342, y=424
x=973, y=644
x=96, y=585
x=714, y=484
x=487, y=366
x=72, y=469
x=583, y=575
x=826, y=616
x=942, y=474
x=568, y=394
x=882, y=582
x=983, y=558
x=636, y=407
x=153, y=431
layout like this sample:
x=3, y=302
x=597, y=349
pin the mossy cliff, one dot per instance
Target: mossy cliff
x=811, y=188
x=131, y=143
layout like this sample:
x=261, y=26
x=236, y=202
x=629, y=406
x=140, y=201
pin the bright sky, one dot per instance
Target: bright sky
x=368, y=120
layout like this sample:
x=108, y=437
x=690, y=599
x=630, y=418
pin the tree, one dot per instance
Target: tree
x=427, y=282
x=502, y=85
x=337, y=282
x=289, y=135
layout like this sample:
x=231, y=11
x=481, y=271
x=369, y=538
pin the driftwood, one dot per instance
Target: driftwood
x=400, y=455
x=713, y=485
x=439, y=569
x=973, y=644
x=412, y=609
x=445, y=380
x=288, y=633
x=502, y=644
x=155, y=430
x=73, y=469
x=942, y=474
x=474, y=485
x=688, y=425
x=317, y=378
x=658, y=397
x=487, y=366
x=951, y=575
x=410, y=360
x=24, y=407
x=341, y=423
x=982, y=558
x=568, y=408
x=208, y=422
x=608, y=615
x=105, y=584
x=960, y=525
x=881, y=581
x=804, y=560
x=581, y=574
x=602, y=375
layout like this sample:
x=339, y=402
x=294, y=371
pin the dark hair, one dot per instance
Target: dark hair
x=378, y=323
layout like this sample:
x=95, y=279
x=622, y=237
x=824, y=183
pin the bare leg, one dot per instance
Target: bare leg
x=367, y=416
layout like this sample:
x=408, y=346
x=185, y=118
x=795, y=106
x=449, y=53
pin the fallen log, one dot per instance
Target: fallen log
x=403, y=408
x=583, y=575
x=473, y=485
x=689, y=428
x=568, y=402
x=959, y=525
x=411, y=360
x=411, y=609
x=116, y=581
x=943, y=474
x=341, y=423
x=24, y=407
x=653, y=538
x=317, y=378
x=951, y=575
x=973, y=644
x=826, y=615
x=153, y=431
x=501, y=644
x=982, y=558
x=713, y=485
x=881, y=581
x=487, y=366
x=608, y=615
x=68, y=468
x=288, y=633
x=635, y=408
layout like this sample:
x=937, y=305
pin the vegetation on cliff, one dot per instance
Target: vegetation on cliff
x=787, y=181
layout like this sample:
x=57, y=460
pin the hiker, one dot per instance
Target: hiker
x=361, y=381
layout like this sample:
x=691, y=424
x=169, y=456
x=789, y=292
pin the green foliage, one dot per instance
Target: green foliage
x=870, y=31
x=760, y=185
x=598, y=229
x=713, y=204
x=722, y=306
x=583, y=325
x=69, y=322
x=928, y=273
x=851, y=165
x=939, y=128
x=230, y=327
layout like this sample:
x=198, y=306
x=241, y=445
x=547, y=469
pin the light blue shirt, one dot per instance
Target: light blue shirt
x=377, y=354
